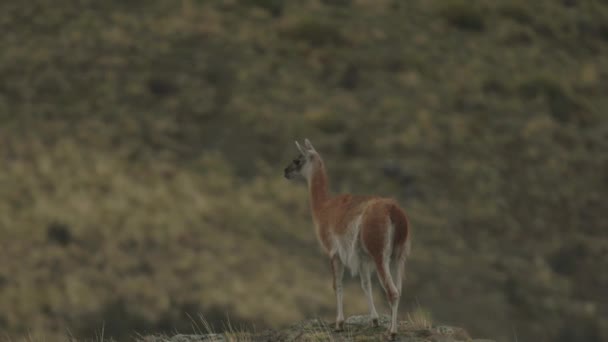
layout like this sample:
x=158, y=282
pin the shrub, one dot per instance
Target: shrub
x=316, y=33
x=516, y=12
x=563, y=105
x=274, y=7
x=463, y=15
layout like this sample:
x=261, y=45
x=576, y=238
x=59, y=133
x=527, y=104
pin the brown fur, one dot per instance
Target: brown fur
x=383, y=233
x=401, y=224
x=333, y=214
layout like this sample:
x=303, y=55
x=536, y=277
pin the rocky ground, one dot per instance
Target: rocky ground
x=357, y=328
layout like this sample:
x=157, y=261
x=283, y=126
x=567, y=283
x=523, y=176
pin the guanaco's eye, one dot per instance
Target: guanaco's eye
x=296, y=161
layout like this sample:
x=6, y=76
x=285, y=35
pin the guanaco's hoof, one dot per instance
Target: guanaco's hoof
x=339, y=326
x=392, y=336
x=375, y=323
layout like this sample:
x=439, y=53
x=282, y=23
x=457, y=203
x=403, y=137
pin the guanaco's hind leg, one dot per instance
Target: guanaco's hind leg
x=366, y=285
x=338, y=272
x=399, y=271
x=392, y=294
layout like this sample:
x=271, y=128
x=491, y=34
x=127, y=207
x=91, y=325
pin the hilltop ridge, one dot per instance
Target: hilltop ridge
x=357, y=328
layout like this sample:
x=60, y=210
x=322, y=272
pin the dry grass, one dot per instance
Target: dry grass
x=420, y=319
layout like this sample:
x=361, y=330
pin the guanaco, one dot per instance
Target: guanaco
x=363, y=233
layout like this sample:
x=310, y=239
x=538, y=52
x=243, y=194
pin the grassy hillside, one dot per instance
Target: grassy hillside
x=142, y=146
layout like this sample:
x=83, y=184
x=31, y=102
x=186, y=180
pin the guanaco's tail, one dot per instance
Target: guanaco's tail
x=402, y=235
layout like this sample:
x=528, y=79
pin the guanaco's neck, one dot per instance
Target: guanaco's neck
x=318, y=185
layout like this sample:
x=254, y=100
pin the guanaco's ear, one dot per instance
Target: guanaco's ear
x=308, y=145
x=300, y=148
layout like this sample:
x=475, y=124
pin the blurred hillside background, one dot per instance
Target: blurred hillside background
x=142, y=145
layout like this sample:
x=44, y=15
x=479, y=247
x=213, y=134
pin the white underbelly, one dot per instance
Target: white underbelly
x=348, y=247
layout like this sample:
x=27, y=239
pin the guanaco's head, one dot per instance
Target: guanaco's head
x=302, y=166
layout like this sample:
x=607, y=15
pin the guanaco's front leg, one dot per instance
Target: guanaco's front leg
x=338, y=272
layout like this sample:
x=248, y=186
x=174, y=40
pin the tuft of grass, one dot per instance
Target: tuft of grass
x=420, y=319
x=463, y=15
x=232, y=333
